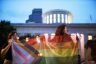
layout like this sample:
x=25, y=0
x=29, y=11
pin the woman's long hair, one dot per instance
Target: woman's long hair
x=11, y=34
x=60, y=30
x=60, y=35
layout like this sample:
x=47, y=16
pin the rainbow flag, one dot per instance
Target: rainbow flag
x=59, y=55
x=56, y=53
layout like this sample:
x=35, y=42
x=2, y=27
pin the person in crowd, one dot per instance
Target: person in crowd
x=62, y=37
x=7, y=52
x=90, y=51
x=62, y=47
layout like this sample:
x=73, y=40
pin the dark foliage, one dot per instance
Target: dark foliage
x=5, y=29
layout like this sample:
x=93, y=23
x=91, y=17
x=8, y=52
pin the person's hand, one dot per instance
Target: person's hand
x=10, y=41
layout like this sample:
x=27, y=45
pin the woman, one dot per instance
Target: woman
x=7, y=52
x=62, y=37
x=65, y=48
x=61, y=49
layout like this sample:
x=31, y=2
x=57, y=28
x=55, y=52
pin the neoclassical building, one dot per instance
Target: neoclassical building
x=32, y=28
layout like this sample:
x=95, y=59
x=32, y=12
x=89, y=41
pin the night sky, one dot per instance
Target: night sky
x=17, y=11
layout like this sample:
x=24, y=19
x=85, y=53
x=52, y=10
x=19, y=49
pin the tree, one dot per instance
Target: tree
x=5, y=29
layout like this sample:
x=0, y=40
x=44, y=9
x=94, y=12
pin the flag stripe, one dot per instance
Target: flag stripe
x=20, y=53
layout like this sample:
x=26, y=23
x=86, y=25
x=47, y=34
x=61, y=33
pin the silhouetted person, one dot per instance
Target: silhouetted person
x=91, y=51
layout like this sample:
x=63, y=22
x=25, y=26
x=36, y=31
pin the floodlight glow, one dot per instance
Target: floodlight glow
x=89, y=37
x=38, y=39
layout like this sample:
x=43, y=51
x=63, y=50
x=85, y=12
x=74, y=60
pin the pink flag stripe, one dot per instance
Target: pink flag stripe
x=21, y=54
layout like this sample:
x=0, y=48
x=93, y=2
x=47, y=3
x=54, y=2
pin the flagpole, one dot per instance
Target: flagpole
x=91, y=19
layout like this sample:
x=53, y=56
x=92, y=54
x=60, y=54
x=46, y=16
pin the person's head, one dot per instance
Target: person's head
x=61, y=30
x=12, y=35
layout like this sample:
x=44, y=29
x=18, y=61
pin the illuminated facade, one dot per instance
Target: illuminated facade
x=32, y=28
x=57, y=16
